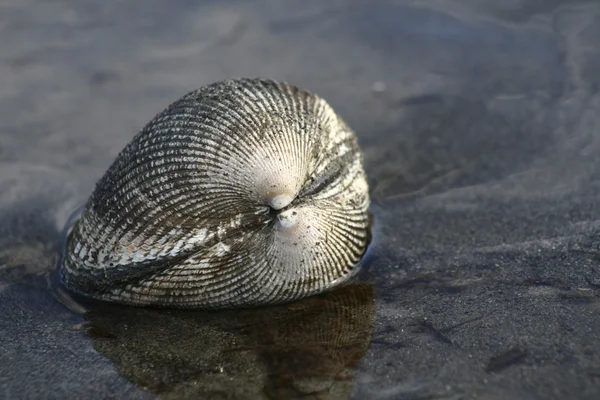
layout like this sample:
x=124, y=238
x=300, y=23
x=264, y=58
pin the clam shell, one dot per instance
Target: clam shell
x=241, y=193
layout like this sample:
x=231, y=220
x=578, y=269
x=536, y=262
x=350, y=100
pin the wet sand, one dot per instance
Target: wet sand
x=481, y=130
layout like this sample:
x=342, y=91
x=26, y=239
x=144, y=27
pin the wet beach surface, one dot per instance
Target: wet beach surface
x=480, y=124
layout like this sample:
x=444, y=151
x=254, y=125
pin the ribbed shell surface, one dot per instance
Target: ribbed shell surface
x=241, y=193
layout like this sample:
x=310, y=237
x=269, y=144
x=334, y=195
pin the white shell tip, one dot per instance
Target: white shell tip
x=287, y=219
x=280, y=201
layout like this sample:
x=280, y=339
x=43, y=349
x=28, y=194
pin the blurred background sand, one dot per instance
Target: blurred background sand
x=481, y=131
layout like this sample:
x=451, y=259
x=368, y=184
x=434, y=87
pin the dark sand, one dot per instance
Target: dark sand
x=480, y=122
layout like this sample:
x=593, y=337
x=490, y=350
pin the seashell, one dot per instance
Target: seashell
x=241, y=193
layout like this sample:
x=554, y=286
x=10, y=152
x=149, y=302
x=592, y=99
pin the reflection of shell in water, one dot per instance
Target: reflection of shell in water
x=311, y=349
x=241, y=193
x=307, y=349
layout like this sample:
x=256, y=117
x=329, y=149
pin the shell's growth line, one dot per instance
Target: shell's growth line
x=241, y=193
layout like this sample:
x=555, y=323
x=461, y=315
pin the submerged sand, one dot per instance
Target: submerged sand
x=480, y=125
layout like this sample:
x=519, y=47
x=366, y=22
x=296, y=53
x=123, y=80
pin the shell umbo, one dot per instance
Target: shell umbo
x=243, y=192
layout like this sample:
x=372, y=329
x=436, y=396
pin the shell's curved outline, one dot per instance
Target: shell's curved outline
x=241, y=193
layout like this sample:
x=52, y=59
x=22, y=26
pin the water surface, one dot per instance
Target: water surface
x=480, y=126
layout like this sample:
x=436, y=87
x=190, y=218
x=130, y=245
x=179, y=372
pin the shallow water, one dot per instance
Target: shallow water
x=480, y=126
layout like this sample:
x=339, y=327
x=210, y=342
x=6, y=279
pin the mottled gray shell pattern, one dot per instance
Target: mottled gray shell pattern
x=241, y=193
